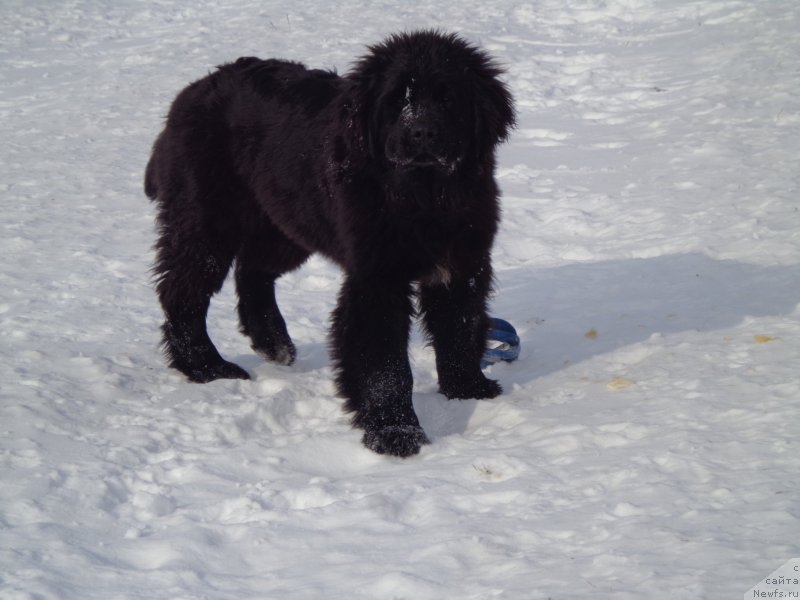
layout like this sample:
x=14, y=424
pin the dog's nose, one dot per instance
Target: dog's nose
x=423, y=134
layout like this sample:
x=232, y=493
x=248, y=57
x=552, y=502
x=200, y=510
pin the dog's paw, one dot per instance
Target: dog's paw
x=479, y=388
x=397, y=440
x=218, y=370
x=279, y=354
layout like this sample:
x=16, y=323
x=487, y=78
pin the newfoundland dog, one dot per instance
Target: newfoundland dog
x=388, y=171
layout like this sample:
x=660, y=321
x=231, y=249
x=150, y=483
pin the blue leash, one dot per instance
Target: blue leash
x=507, y=350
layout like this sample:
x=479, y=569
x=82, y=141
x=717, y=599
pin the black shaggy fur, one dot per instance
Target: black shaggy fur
x=388, y=171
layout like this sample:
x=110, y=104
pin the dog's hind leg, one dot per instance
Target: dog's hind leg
x=264, y=257
x=191, y=266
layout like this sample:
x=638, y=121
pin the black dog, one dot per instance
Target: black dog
x=388, y=171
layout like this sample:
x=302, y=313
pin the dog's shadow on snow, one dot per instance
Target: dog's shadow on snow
x=570, y=314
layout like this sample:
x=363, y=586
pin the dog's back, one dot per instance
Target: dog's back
x=233, y=105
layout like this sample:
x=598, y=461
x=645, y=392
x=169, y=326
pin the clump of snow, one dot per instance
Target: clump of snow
x=650, y=197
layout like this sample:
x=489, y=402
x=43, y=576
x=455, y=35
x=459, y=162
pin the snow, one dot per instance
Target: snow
x=646, y=445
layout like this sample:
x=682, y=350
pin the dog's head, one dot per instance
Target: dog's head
x=432, y=101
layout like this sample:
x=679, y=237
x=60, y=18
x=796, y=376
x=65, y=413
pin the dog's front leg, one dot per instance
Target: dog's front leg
x=370, y=348
x=454, y=315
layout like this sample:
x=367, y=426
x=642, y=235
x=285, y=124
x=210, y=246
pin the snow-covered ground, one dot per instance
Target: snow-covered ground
x=647, y=443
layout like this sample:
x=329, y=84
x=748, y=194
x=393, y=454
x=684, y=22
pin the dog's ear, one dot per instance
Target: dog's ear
x=367, y=81
x=497, y=109
x=495, y=116
x=368, y=115
x=356, y=116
